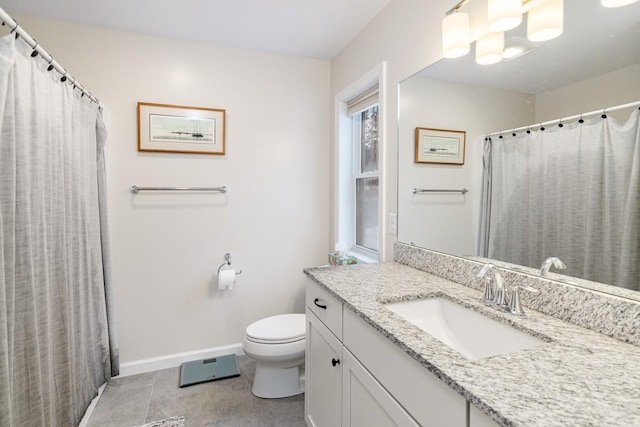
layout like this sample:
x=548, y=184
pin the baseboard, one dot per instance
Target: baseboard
x=173, y=360
x=84, y=422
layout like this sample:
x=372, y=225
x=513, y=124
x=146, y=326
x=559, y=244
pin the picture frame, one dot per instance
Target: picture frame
x=180, y=129
x=439, y=146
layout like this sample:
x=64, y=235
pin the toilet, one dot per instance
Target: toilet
x=277, y=345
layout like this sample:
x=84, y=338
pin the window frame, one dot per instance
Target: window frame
x=357, y=174
x=343, y=222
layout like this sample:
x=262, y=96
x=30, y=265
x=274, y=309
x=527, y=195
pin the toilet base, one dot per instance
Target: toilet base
x=272, y=383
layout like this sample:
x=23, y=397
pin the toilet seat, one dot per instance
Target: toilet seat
x=280, y=329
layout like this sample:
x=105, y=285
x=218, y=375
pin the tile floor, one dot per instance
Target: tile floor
x=138, y=399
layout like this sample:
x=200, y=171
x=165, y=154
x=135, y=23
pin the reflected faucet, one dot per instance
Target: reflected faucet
x=490, y=295
x=553, y=260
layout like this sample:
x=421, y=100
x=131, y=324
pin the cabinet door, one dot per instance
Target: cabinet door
x=365, y=402
x=478, y=419
x=429, y=401
x=323, y=371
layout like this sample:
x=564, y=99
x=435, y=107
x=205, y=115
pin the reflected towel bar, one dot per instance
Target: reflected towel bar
x=134, y=189
x=423, y=190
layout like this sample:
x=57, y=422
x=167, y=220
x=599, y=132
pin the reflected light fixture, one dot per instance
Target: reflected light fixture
x=455, y=35
x=545, y=21
x=489, y=48
x=513, y=51
x=504, y=15
x=616, y=3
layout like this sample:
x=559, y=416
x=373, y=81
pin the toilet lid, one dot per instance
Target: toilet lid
x=282, y=328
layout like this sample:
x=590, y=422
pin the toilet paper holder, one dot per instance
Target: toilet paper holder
x=227, y=261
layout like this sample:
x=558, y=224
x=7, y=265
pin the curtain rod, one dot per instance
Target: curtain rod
x=38, y=50
x=577, y=116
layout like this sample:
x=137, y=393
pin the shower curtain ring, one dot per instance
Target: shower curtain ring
x=35, y=52
x=604, y=113
x=50, y=67
x=14, y=28
x=560, y=124
x=581, y=119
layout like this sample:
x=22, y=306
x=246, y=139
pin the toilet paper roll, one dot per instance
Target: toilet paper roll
x=226, y=279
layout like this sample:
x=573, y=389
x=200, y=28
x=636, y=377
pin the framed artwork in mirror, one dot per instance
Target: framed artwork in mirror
x=180, y=129
x=440, y=146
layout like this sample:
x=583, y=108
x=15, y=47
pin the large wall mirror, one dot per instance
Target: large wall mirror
x=593, y=65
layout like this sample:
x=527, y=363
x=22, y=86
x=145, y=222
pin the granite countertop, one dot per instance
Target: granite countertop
x=577, y=377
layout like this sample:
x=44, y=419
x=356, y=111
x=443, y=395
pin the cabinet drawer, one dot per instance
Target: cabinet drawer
x=428, y=400
x=325, y=306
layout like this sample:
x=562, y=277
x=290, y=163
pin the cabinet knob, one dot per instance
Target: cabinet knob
x=335, y=362
x=315, y=301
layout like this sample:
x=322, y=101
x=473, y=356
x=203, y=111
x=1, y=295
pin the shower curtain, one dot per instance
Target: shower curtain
x=571, y=192
x=57, y=330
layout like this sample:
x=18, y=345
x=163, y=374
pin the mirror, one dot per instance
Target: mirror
x=594, y=64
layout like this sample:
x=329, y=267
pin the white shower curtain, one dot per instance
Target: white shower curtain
x=571, y=192
x=57, y=334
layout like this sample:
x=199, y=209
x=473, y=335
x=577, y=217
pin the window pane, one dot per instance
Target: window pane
x=367, y=213
x=369, y=140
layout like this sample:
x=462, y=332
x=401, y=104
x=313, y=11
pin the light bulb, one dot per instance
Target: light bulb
x=504, y=15
x=616, y=3
x=545, y=21
x=455, y=35
x=489, y=48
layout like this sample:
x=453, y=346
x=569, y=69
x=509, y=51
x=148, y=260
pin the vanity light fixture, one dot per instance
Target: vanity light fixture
x=545, y=21
x=504, y=15
x=515, y=47
x=455, y=35
x=489, y=48
x=511, y=52
x=616, y=3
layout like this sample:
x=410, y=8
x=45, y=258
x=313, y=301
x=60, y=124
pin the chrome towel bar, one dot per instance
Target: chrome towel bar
x=135, y=189
x=423, y=190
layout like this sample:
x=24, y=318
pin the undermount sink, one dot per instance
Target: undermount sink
x=470, y=333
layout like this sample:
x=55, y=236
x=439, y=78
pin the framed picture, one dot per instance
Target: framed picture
x=440, y=146
x=180, y=129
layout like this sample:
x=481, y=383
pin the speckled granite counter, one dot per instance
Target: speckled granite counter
x=578, y=377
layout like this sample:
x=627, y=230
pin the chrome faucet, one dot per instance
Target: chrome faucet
x=493, y=295
x=497, y=296
x=553, y=260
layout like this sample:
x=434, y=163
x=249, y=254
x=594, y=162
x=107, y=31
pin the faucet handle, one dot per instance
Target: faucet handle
x=514, y=305
x=487, y=295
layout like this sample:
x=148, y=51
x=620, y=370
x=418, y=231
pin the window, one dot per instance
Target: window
x=359, y=179
x=366, y=178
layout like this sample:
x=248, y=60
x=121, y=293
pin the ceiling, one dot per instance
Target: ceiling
x=596, y=40
x=315, y=29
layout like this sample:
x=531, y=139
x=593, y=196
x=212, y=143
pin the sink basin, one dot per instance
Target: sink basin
x=470, y=333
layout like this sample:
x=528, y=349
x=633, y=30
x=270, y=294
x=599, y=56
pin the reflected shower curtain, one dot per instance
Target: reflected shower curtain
x=571, y=192
x=57, y=333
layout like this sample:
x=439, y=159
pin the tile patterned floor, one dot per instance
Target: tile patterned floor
x=138, y=399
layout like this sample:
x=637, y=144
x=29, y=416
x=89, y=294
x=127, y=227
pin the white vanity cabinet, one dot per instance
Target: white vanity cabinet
x=323, y=375
x=356, y=377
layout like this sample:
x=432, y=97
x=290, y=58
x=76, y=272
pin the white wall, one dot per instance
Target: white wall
x=448, y=222
x=608, y=90
x=406, y=34
x=167, y=247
